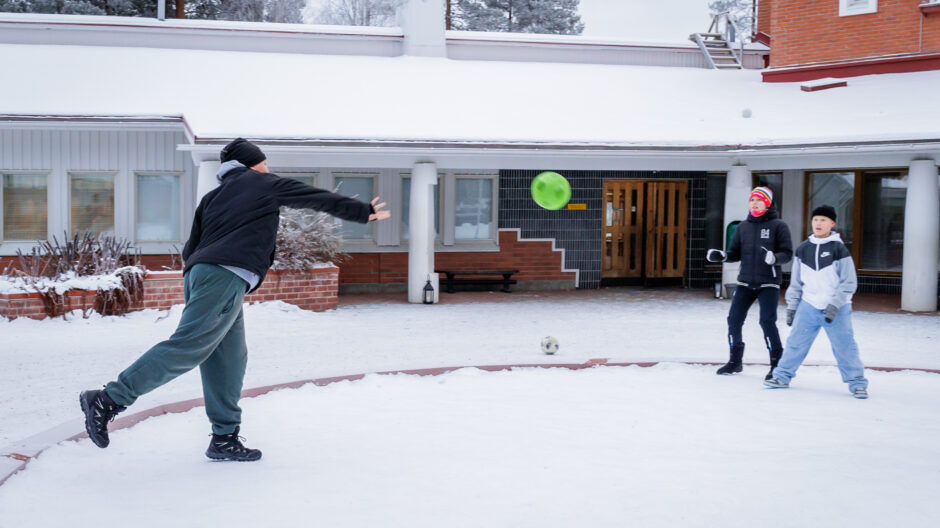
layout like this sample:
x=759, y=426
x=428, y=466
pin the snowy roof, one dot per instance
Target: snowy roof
x=223, y=94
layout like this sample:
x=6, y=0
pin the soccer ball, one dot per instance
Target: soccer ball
x=549, y=345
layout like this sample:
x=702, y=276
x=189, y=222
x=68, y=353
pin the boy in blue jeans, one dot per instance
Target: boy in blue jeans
x=822, y=282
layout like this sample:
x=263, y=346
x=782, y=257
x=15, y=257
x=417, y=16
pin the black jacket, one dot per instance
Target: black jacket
x=236, y=223
x=757, y=232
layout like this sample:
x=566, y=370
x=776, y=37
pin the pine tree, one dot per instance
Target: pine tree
x=558, y=17
x=740, y=12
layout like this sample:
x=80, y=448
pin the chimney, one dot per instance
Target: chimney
x=422, y=22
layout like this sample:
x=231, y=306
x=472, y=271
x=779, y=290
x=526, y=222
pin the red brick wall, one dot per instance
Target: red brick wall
x=535, y=261
x=812, y=32
x=763, y=16
x=316, y=290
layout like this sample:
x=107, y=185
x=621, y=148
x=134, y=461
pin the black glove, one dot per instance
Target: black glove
x=790, y=314
x=716, y=255
x=831, y=312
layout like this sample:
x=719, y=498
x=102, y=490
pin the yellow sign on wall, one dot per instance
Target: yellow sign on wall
x=577, y=206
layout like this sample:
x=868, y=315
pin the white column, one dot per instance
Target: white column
x=421, y=232
x=921, y=236
x=206, y=179
x=422, y=22
x=737, y=189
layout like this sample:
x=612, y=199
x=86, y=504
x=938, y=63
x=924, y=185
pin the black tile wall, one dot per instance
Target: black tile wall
x=580, y=232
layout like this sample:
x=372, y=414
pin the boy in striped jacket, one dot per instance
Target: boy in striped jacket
x=822, y=282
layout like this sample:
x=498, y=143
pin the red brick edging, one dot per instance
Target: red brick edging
x=13, y=461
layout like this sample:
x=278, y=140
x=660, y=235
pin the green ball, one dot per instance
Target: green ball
x=551, y=190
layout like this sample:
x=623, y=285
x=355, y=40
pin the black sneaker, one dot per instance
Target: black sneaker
x=731, y=367
x=230, y=447
x=99, y=409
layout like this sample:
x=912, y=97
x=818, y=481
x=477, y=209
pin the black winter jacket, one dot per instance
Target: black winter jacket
x=236, y=223
x=757, y=232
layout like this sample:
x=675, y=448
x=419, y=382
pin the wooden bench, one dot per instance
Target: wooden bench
x=450, y=281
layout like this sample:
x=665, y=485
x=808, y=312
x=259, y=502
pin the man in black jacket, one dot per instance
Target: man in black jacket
x=229, y=251
x=762, y=243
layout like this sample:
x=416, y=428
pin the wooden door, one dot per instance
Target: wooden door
x=666, y=216
x=623, y=229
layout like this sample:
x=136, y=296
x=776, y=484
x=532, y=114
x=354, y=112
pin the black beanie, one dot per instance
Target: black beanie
x=242, y=151
x=825, y=210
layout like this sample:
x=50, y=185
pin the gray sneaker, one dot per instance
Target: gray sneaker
x=860, y=393
x=774, y=383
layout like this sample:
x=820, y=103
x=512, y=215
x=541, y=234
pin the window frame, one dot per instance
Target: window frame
x=493, y=239
x=12, y=243
x=846, y=10
x=858, y=229
x=149, y=246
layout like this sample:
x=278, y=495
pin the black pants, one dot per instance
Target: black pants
x=767, y=298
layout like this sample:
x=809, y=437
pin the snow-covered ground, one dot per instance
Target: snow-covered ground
x=671, y=445
x=46, y=363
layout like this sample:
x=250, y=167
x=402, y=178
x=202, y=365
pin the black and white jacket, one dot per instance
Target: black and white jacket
x=823, y=273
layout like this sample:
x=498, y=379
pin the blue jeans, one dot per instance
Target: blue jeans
x=806, y=325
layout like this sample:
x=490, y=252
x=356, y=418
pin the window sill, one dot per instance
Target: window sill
x=930, y=7
x=458, y=247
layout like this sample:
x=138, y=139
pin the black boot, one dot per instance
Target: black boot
x=230, y=447
x=733, y=366
x=99, y=409
x=774, y=360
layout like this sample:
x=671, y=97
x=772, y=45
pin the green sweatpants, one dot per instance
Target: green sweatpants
x=211, y=335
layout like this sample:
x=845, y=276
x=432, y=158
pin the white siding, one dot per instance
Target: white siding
x=123, y=153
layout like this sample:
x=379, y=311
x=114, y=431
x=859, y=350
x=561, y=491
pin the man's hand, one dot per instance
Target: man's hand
x=790, y=314
x=831, y=312
x=378, y=214
x=769, y=256
x=716, y=255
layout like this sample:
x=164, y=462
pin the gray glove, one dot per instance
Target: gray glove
x=790, y=314
x=716, y=255
x=831, y=312
x=769, y=256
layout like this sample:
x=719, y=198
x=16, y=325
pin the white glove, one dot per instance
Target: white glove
x=769, y=257
x=716, y=255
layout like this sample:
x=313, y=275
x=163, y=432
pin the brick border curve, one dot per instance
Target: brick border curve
x=15, y=457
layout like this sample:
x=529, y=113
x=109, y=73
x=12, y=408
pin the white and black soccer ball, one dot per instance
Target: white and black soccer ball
x=549, y=345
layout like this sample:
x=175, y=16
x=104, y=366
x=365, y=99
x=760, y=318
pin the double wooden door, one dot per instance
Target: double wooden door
x=644, y=231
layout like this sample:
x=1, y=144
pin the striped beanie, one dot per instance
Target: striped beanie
x=764, y=193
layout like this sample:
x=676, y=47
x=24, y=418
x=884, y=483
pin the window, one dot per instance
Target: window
x=883, y=220
x=92, y=203
x=406, y=208
x=360, y=187
x=876, y=240
x=474, y=208
x=838, y=190
x=715, y=210
x=857, y=7
x=25, y=210
x=773, y=180
x=158, y=208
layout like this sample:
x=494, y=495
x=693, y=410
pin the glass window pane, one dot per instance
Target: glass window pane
x=474, y=211
x=303, y=177
x=838, y=190
x=406, y=208
x=92, y=203
x=360, y=187
x=25, y=211
x=158, y=208
x=883, y=232
x=773, y=180
x=715, y=211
